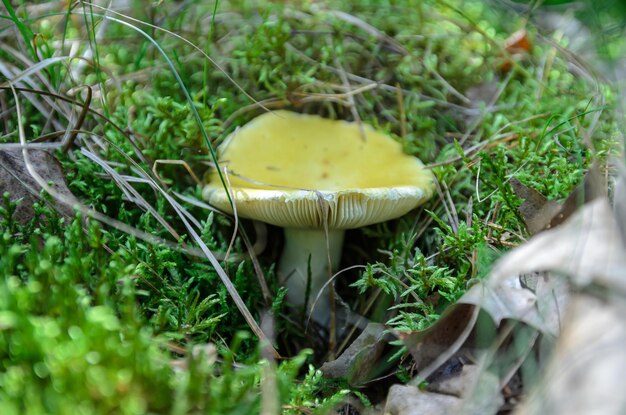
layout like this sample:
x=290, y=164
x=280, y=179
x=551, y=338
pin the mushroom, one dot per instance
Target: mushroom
x=315, y=178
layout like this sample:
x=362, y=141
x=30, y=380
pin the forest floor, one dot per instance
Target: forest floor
x=123, y=291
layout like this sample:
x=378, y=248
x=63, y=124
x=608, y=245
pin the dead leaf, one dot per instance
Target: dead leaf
x=518, y=45
x=409, y=400
x=359, y=359
x=472, y=392
x=536, y=210
x=15, y=179
x=535, y=300
x=587, y=247
x=553, y=295
x=540, y=213
x=442, y=338
x=586, y=372
x=518, y=42
x=478, y=388
x=528, y=285
x=507, y=300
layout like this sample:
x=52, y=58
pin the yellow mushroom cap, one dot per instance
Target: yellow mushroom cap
x=294, y=170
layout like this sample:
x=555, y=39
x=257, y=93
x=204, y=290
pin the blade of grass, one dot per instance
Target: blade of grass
x=92, y=37
x=27, y=34
x=206, y=62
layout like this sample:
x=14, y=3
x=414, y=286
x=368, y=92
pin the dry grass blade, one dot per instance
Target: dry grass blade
x=381, y=85
x=448, y=205
x=350, y=98
x=45, y=105
x=177, y=162
x=31, y=91
x=355, y=21
x=34, y=68
x=213, y=62
x=270, y=404
x=131, y=193
x=352, y=318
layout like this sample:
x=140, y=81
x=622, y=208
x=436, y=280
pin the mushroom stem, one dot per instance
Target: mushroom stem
x=293, y=268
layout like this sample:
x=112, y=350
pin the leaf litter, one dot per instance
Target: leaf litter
x=566, y=285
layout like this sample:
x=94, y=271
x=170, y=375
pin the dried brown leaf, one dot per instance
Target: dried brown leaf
x=588, y=247
x=553, y=295
x=507, y=300
x=586, y=372
x=536, y=210
x=471, y=391
x=360, y=358
x=409, y=400
x=15, y=179
x=540, y=213
x=518, y=42
x=442, y=338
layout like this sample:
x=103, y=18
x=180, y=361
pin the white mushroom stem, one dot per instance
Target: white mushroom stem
x=293, y=268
